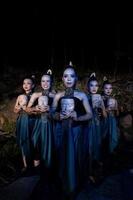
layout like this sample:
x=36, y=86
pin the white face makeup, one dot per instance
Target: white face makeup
x=93, y=87
x=67, y=105
x=27, y=85
x=107, y=89
x=43, y=101
x=46, y=82
x=69, y=78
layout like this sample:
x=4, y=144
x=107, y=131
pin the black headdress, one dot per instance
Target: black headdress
x=32, y=78
x=49, y=73
x=70, y=65
x=92, y=78
x=105, y=81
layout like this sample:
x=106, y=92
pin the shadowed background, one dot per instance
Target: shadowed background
x=96, y=38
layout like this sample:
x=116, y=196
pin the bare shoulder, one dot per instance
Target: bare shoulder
x=36, y=95
x=21, y=96
x=57, y=98
x=80, y=95
x=52, y=94
x=59, y=95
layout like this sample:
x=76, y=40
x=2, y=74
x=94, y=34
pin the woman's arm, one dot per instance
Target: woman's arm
x=104, y=113
x=30, y=107
x=17, y=108
x=87, y=108
x=56, y=114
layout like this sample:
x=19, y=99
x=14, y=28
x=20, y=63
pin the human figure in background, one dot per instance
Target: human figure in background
x=25, y=122
x=110, y=126
x=93, y=136
x=43, y=129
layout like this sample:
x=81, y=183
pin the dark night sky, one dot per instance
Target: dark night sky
x=88, y=37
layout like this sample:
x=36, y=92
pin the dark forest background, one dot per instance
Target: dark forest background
x=94, y=37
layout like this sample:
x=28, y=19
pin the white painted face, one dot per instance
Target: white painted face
x=107, y=89
x=46, y=82
x=67, y=105
x=93, y=87
x=69, y=78
x=28, y=85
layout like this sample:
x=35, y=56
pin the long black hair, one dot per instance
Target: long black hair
x=91, y=78
x=105, y=81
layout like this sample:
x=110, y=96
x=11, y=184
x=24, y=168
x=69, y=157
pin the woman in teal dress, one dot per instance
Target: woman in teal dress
x=93, y=136
x=110, y=125
x=43, y=129
x=70, y=108
x=25, y=122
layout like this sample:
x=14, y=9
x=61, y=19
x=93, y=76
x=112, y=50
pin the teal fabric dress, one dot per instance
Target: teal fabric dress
x=43, y=136
x=68, y=143
x=22, y=134
x=24, y=128
x=110, y=129
x=93, y=136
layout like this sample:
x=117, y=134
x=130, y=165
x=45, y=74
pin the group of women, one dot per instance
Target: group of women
x=66, y=131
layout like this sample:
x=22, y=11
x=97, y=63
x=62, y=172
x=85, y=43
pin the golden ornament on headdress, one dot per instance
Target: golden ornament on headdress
x=49, y=72
x=105, y=78
x=93, y=74
x=33, y=76
x=70, y=63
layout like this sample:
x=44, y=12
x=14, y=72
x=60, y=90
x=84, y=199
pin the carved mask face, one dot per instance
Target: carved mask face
x=67, y=105
x=96, y=100
x=43, y=101
x=23, y=100
x=111, y=103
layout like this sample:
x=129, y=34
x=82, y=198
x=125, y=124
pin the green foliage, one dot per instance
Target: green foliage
x=9, y=126
x=9, y=155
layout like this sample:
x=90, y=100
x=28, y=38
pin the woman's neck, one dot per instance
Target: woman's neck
x=69, y=91
x=45, y=92
x=107, y=95
x=93, y=93
x=28, y=92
